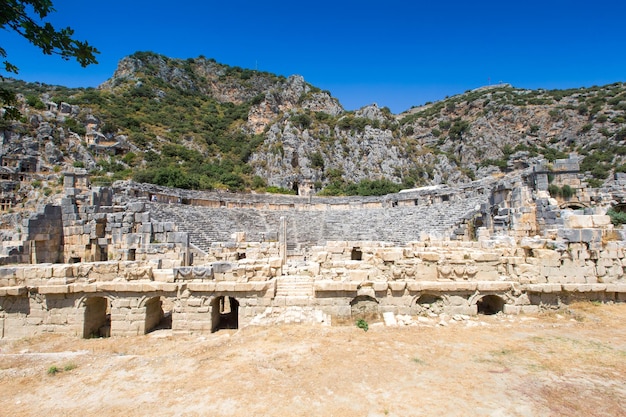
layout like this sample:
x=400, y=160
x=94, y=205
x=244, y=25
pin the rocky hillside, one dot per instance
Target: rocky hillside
x=197, y=123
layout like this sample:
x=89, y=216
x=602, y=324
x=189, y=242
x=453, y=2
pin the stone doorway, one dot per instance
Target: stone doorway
x=364, y=307
x=224, y=313
x=158, y=314
x=97, y=317
x=490, y=304
x=428, y=304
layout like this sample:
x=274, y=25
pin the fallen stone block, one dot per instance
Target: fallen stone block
x=390, y=319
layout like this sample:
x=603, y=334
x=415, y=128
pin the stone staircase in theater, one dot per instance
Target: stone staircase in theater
x=294, y=290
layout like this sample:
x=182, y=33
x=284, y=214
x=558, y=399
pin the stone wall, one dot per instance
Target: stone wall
x=110, y=262
x=334, y=281
x=45, y=235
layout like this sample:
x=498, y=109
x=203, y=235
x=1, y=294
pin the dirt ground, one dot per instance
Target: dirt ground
x=570, y=363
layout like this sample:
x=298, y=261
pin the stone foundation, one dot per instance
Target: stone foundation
x=467, y=278
x=102, y=265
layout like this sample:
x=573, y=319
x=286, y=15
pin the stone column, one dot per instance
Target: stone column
x=283, y=240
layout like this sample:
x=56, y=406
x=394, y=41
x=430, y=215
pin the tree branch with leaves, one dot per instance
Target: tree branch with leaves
x=26, y=17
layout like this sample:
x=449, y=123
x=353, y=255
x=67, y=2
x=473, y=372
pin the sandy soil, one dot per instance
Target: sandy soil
x=571, y=363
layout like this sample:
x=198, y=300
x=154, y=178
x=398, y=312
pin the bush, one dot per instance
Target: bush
x=279, y=190
x=567, y=191
x=362, y=324
x=617, y=217
x=302, y=120
x=459, y=127
x=377, y=187
x=173, y=177
x=34, y=101
x=563, y=192
x=553, y=189
x=74, y=126
x=317, y=160
x=594, y=183
x=258, y=182
x=356, y=123
x=602, y=118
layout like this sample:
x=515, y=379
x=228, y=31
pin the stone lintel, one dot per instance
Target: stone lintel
x=53, y=289
x=494, y=286
x=13, y=291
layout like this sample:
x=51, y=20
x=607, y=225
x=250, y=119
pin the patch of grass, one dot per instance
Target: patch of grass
x=419, y=361
x=70, y=366
x=53, y=370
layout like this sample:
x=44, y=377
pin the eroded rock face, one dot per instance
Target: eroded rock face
x=308, y=138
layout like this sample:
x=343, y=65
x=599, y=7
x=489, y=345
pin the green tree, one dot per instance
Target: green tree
x=25, y=17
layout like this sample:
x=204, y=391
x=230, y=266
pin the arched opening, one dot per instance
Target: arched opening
x=224, y=313
x=490, y=304
x=158, y=314
x=364, y=307
x=97, y=317
x=573, y=205
x=427, y=304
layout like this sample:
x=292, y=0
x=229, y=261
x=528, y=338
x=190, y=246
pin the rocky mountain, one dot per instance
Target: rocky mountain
x=197, y=123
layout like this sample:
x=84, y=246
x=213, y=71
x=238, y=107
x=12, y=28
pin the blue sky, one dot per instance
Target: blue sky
x=394, y=53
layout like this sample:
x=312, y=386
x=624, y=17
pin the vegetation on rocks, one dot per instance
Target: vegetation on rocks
x=199, y=124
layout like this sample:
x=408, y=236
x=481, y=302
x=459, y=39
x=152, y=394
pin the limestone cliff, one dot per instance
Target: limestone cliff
x=197, y=123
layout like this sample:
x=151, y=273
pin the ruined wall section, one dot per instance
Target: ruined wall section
x=339, y=280
x=44, y=236
x=100, y=233
x=87, y=227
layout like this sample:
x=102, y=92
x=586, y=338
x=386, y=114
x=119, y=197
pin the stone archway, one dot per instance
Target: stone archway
x=96, y=317
x=427, y=304
x=490, y=304
x=364, y=307
x=573, y=205
x=158, y=314
x=224, y=313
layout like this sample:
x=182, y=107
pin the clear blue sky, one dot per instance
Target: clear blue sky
x=394, y=53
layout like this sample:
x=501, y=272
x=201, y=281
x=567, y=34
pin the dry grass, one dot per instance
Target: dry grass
x=568, y=363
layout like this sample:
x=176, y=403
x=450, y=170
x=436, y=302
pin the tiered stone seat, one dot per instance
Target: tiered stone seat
x=316, y=227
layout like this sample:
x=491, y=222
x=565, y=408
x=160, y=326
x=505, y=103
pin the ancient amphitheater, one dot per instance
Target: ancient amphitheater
x=127, y=259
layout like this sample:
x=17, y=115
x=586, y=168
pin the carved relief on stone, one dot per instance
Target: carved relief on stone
x=138, y=273
x=444, y=271
x=193, y=272
x=471, y=271
x=459, y=271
